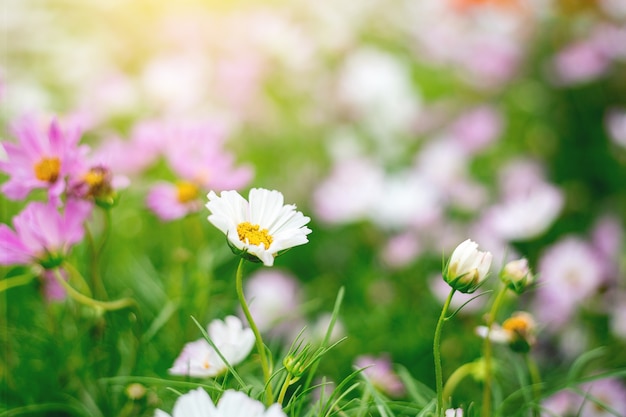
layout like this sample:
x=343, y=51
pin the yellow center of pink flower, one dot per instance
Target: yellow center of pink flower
x=48, y=169
x=186, y=191
x=254, y=235
x=94, y=178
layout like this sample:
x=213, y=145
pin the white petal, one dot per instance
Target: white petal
x=238, y=404
x=196, y=403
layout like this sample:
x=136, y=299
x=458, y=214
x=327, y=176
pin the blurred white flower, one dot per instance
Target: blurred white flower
x=454, y=412
x=199, y=359
x=526, y=215
x=197, y=403
x=261, y=227
x=616, y=125
x=518, y=331
x=467, y=267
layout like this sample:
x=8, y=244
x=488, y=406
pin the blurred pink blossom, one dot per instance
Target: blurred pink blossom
x=42, y=158
x=579, y=62
x=477, y=128
x=275, y=299
x=400, y=250
x=569, y=272
x=589, y=400
x=43, y=234
x=379, y=371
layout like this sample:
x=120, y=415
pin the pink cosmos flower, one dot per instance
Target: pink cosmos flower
x=196, y=156
x=579, y=62
x=591, y=400
x=42, y=233
x=569, y=272
x=41, y=159
x=477, y=129
x=275, y=301
x=380, y=373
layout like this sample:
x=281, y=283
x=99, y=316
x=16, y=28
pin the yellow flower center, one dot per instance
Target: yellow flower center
x=94, y=178
x=48, y=169
x=187, y=191
x=254, y=235
x=517, y=324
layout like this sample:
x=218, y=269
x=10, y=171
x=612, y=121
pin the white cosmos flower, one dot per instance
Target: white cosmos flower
x=467, y=267
x=199, y=359
x=261, y=227
x=197, y=403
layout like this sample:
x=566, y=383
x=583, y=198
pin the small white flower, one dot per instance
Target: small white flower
x=197, y=403
x=467, y=267
x=454, y=412
x=261, y=227
x=518, y=331
x=199, y=359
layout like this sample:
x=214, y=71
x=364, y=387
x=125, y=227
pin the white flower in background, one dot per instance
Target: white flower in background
x=527, y=214
x=518, y=331
x=454, y=412
x=261, y=227
x=199, y=359
x=197, y=403
x=467, y=267
x=615, y=123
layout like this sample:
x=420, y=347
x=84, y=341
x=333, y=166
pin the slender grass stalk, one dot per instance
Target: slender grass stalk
x=269, y=397
x=16, y=281
x=535, y=379
x=364, y=400
x=83, y=299
x=487, y=353
x=437, y=354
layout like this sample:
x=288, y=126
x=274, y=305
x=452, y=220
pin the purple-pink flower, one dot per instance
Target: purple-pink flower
x=41, y=159
x=380, y=373
x=196, y=156
x=42, y=234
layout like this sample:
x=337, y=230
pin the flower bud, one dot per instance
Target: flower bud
x=516, y=275
x=467, y=267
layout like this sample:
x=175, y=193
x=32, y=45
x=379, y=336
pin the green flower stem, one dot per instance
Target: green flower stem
x=283, y=390
x=364, y=400
x=269, y=398
x=16, y=281
x=437, y=354
x=456, y=377
x=535, y=379
x=83, y=299
x=486, y=406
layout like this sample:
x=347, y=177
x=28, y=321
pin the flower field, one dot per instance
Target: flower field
x=307, y=209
